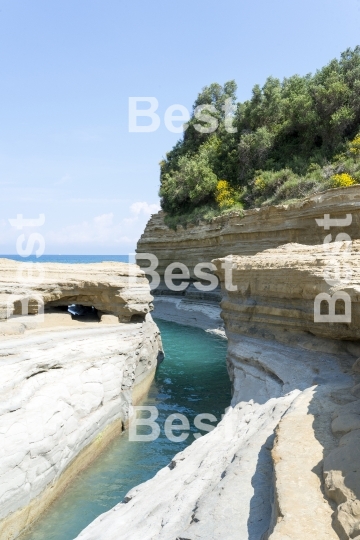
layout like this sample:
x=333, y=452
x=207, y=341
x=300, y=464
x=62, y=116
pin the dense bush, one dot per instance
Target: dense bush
x=292, y=138
x=192, y=182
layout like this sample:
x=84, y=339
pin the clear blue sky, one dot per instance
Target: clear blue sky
x=68, y=68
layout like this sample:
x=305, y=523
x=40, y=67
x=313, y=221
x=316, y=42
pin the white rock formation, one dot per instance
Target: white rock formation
x=342, y=471
x=112, y=288
x=210, y=490
x=67, y=384
x=273, y=338
x=222, y=486
x=261, y=474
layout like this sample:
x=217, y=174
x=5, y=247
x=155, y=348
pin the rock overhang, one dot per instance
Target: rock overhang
x=117, y=289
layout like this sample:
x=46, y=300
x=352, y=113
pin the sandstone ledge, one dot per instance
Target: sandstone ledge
x=276, y=289
x=273, y=339
x=259, y=229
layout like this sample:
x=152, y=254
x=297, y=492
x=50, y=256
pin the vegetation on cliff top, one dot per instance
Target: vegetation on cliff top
x=292, y=138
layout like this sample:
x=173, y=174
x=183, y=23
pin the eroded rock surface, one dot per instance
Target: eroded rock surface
x=274, y=339
x=342, y=470
x=276, y=290
x=117, y=289
x=219, y=487
x=201, y=314
x=273, y=469
x=67, y=383
x=222, y=486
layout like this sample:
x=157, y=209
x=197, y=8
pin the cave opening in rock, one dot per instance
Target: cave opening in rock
x=83, y=313
x=137, y=318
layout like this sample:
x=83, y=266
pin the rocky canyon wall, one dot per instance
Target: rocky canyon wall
x=284, y=462
x=257, y=230
x=274, y=340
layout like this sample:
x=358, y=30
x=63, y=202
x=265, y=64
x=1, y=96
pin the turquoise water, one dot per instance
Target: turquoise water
x=191, y=380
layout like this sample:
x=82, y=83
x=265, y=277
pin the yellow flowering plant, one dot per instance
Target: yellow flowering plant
x=260, y=183
x=355, y=146
x=224, y=194
x=342, y=180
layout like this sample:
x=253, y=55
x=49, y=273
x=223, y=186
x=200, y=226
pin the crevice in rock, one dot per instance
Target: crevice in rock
x=37, y=373
x=44, y=370
x=137, y=318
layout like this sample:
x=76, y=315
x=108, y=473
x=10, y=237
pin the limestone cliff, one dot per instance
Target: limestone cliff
x=273, y=339
x=275, y=467
x=67, y=382
x=284, y=462
x=259, y=229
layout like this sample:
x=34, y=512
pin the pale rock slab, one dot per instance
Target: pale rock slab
x=301, y=510
x=342, y=470
x=182, y=310
x=219, y=487
x=67, y=386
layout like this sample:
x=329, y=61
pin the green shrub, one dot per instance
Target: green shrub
x=293, y=138
x=267, y=184
x=192, y=184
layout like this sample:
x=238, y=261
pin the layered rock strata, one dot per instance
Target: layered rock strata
x=283, y=463
x=273, y=338
x=67, y=383
x=255, y=231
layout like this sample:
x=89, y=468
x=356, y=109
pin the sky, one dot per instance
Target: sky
x=68, y=69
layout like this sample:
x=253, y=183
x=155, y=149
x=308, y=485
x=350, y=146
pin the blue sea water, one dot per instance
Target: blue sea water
x=192, y=379
x=69, y=259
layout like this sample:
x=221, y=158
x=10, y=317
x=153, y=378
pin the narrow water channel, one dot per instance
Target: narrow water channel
x=192, y=380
